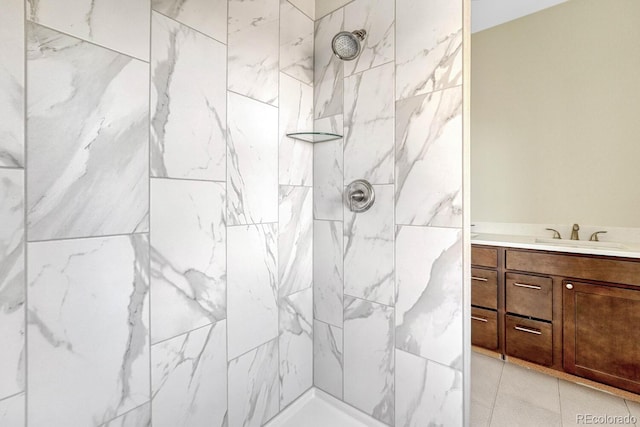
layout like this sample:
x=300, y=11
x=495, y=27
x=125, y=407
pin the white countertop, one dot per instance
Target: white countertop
x=626, y=250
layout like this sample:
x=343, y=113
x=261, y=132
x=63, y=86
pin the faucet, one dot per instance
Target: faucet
x=594, y=236
x=556, y=233
x=574, y=232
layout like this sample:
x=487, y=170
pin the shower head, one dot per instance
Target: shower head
x=346, y=45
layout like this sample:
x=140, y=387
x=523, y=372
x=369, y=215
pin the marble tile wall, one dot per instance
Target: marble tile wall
x=186, y=260
x=388, y=282
x=166, y=218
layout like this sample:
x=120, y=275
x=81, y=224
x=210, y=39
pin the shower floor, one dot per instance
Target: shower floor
x=316, y=408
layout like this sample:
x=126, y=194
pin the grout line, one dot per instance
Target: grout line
x=226, y=216
x=279, y=300
x=495, y=397
x=149, y=212
x=344, y=275
x=19, y=168
x=129, y=412
x=11, y=396
x=168, y=178
x=247, y=96
x=334, y=10
x=181, y=334
x=103, y=236
x=301, y=11
x=91, y=42
x=252, y=224
x=181, y=23
x=25, y=229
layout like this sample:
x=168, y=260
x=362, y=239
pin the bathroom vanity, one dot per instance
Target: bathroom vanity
x=574, y=310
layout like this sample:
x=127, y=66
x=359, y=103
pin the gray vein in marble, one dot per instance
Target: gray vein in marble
x=137, y=338
x=99, y=98
x=429, y=141
x=369, y=369
x=429, y=318
x=295, y=239
x=253, y=387
x=162, y=75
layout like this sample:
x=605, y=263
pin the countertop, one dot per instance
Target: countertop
x=625, y=250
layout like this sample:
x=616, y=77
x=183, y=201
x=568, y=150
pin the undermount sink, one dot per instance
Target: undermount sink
x=581, y=243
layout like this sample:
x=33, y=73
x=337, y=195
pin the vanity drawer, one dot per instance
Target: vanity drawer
x=529, y=295
x=484, y=257
x=484, y=328
x=530, y=340
x=484, y=288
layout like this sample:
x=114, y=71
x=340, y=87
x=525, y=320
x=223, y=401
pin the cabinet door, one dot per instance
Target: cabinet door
x=601, y=328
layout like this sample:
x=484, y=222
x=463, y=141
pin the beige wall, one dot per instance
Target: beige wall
x=555, y=116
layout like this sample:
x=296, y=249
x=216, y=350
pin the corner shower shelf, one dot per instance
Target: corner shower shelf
x=314, y=137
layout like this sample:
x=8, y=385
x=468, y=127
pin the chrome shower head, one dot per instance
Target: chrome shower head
x=346, y=45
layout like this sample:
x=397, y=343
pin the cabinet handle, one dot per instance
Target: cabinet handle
x=530, y=331
x=522, y=285
x=569, y=286
x=479, y=319
x=479, y=279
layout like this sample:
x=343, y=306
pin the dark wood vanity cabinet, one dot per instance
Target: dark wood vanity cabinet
x=484, y=298
x=574, y=313
x=602, y=333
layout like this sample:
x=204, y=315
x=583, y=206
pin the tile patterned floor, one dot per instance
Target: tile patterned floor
x=508, y=395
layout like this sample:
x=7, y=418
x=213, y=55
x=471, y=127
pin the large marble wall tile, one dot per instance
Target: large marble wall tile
x=369, y=358
x=121, y=25
x=328, y=70
x=296, y=115
x=369, y=250
x=12, y=412
x=88, y=138
x=188, y=256
x=189, y=379
x=252, y=172
x=427, y=393
x=296, y=345
x=327, y=358
x=429, y=159
x=188, y=124
x=252, y=295
x=138, y=417
x=295, y=240
x=12, y=286
x=207, y=16
x=328, y=181
x=429, y=287
x=254, y=48
x=369, y=126
x=253, y=387
x=328, y=271
x=12, y=83
x=296, y=43
x=377, y=18
x=88, y=325
x=428, y=46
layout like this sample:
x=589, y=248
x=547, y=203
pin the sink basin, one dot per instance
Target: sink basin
x=581, y=244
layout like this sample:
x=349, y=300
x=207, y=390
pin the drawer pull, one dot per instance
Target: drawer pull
x=479, y=279
x=522, y=285
x=479, y=319
x=530, y=331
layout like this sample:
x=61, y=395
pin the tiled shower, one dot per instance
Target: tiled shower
x=169, y=257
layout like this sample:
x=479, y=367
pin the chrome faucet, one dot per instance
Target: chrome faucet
x=574, y=232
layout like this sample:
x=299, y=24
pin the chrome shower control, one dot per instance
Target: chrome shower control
x=359, y=196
